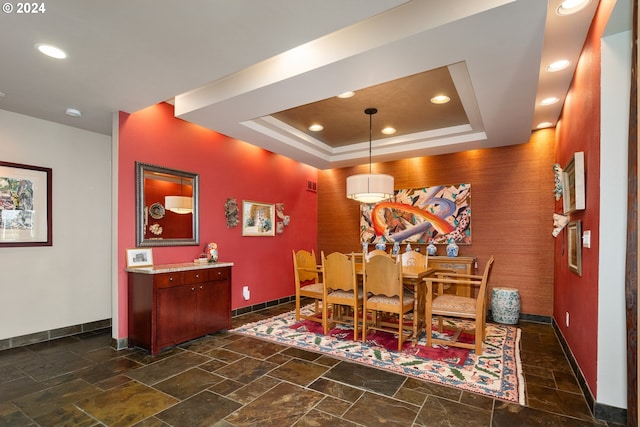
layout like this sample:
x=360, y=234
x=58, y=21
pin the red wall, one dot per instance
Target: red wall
x=579, y=130
x=227, y=168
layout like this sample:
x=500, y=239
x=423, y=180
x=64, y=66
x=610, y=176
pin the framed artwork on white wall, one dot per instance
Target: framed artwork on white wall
x=25, y=205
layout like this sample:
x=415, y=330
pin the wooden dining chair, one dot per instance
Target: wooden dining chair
x=414, y=258
x=376, y=252
x=384, y=295
x=308, y=284
x=343, y=293
x=455, y=306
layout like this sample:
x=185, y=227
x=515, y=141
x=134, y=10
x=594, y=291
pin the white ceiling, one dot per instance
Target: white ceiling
x=230, y=65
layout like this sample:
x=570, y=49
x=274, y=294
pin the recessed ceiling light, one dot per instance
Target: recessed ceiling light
x=440, y=99
x=569, y=7
x=558, y=65
x=549, y=101
x=388, y=130
x=544, y=125
x=73, y=112
x=316, y=128
x=52, y=51
x=346, y=95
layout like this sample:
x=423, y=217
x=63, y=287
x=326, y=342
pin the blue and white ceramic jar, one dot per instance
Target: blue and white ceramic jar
x=381, y=246
x=431, y=249
x=452, y=249
x=505, y=305
x=396, y=248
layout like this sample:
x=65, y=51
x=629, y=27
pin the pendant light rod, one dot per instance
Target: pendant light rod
x=370, y=112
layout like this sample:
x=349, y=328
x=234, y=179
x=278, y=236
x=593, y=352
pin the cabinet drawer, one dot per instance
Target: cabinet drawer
x=219, y=274
x=167, y=280
x=195, y=276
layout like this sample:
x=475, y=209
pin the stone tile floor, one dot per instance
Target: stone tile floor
x=231, y=380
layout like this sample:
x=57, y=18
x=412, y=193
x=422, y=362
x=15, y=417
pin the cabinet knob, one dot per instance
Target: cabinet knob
x=201, y=287
x=193, y=289
x=171, y=279
x=219, y=273
x=197, y=276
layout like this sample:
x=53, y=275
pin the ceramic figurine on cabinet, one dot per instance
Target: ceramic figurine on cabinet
x=212, y=252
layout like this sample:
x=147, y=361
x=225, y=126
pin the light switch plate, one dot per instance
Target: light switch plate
x=586, y=238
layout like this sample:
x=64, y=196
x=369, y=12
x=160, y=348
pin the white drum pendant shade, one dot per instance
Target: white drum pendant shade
x=369, y=188
x=178, y=204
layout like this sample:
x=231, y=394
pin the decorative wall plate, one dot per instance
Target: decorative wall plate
x=156, y=211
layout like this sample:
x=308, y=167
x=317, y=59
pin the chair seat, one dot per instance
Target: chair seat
x=381, y=299
x=316, y=288
x=454, y=305
x=340, y=294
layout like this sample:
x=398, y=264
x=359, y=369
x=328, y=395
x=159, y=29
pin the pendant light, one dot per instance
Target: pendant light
x=179, y=204
x=370, y=188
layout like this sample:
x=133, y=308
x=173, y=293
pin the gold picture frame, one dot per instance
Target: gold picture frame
x=573, y=186
x=574, y=247
x=258, y=219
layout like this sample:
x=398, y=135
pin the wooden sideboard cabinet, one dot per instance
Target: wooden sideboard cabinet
x=463, y=265
x=171, y=304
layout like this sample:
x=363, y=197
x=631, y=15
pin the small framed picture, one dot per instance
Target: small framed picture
x=573, y=186
x=258, y=218
x=574, y=245
x=139, y=257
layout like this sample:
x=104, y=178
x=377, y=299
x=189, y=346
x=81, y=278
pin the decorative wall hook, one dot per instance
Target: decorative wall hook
x=280, y=214
x=559, y=222
x=231, y=212
x=557, y=170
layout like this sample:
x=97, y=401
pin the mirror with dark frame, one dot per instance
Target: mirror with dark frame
x=167, y=211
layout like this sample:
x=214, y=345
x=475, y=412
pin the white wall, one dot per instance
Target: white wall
x=612, y=334
x=69, y=283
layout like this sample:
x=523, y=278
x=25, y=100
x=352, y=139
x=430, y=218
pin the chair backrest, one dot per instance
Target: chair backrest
x=482, y=292
x=305, y=266
x=414, y=258
x=376, y=252
x=338, y=271
x=383, y=276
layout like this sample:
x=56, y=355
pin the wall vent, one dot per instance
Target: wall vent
x=312, y=186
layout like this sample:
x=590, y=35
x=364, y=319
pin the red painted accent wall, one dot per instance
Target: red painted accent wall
x=227, y=168
x=579, y=130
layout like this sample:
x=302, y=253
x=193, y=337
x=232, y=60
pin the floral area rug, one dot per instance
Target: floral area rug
x=496, y=373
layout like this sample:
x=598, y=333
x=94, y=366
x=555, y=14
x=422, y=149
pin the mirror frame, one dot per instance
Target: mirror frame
x=141, y=168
